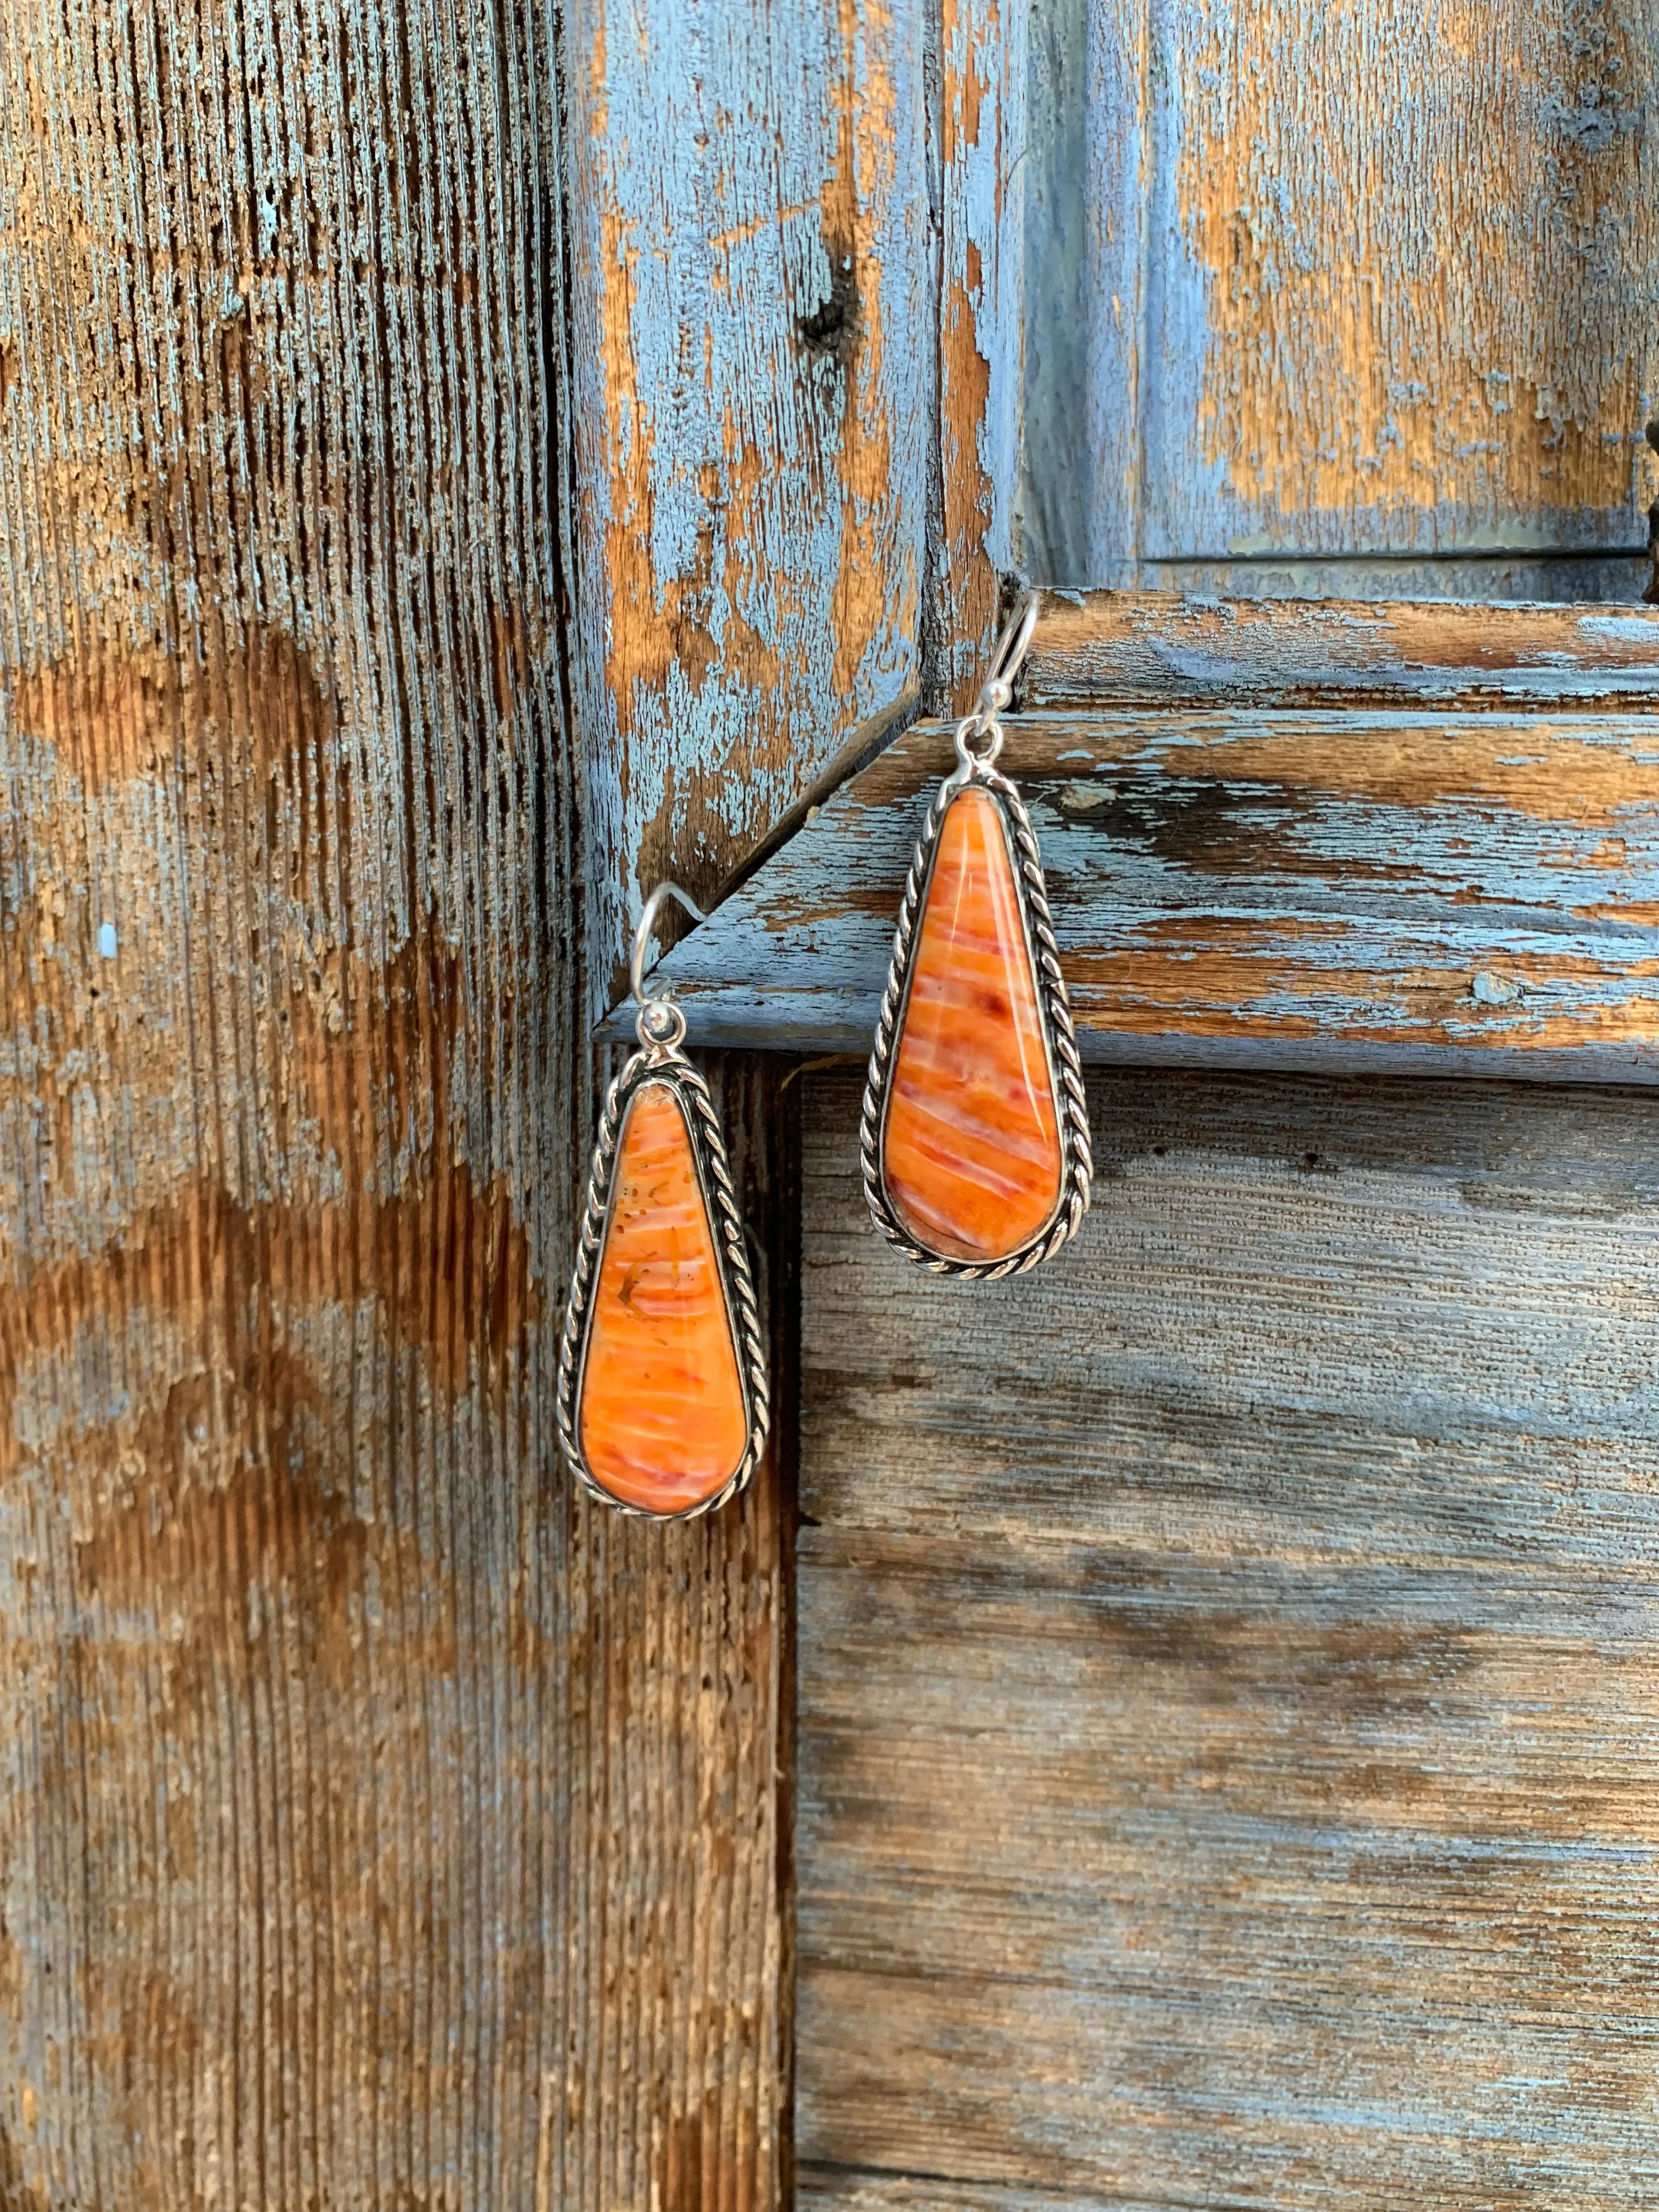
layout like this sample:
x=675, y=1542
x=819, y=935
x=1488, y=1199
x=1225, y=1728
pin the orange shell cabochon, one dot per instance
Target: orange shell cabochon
x=661, y=1416
x=971, y=1155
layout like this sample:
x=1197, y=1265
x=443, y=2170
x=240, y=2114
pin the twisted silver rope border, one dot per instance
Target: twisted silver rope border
x=667, y=1065
x=1059, y=1036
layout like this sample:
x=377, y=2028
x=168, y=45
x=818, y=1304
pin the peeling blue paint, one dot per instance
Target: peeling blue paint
x=1266, y=253
x=1368, y=911
x=711, y=159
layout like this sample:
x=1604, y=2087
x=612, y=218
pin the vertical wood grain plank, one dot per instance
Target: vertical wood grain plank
x=291, y=1083
x=754, y=370
x=675, y=2085
x=983, y=76
x=1089, y=149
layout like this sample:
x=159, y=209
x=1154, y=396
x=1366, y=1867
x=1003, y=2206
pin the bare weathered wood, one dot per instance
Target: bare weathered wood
x=674, y=2085
x=1227, y=1667
x=291, y=1827
x=1462, y=894
x=1338, y=281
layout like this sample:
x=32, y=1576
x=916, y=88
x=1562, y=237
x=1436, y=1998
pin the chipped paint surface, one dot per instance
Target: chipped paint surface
x=1089, y=149
x=1363, y=278
x=1163, y=649
x=754, y=386
x=1259, y=887
x=983, y=71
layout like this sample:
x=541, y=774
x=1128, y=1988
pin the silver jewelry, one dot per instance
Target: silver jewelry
x=660, y=1028
x=979, y=741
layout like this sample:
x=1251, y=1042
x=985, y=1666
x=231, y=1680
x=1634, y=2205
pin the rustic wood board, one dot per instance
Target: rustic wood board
x=826, y=2189
x=1618, y=578
x=302, y=1732
x=1353, y=281
x=1382, y=889
x=755, y=384
x=1227, y=1688
x=1115, y=648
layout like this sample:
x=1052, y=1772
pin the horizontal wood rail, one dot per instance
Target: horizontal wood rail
x=1420, y=837
x=1162, y=650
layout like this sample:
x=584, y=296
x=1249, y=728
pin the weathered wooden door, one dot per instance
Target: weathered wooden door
x=461, y=464
x=1226, y=1658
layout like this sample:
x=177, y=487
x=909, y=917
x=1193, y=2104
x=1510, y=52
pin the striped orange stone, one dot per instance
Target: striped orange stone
x=971, y=1154
x=660, y=1418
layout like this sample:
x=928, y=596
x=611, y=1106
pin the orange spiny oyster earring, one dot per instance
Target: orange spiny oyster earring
x=975, y=1139
x=663, y=1401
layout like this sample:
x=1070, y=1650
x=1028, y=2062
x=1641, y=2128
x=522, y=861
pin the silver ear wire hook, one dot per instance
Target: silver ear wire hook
x=1011, y=648
x=997, y=691
x=660, y=1023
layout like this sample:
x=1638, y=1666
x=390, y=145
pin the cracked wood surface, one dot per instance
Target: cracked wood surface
x=982, y=98
x=1165, y=649
x=1227, y=1769
x=297, y=1695
x=753, y=395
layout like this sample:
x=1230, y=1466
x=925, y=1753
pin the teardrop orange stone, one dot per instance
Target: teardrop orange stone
x=660, y=1418
x=971, y=1153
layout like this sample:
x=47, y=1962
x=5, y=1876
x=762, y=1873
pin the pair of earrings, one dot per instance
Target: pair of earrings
x=974, y=1145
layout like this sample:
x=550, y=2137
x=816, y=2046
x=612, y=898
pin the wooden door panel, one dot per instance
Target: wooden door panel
x=1308, y=279
x=1226, y=1674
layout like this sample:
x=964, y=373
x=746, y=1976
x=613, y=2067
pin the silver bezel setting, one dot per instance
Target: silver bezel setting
x=663, y=1063
x=1059, y=1036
